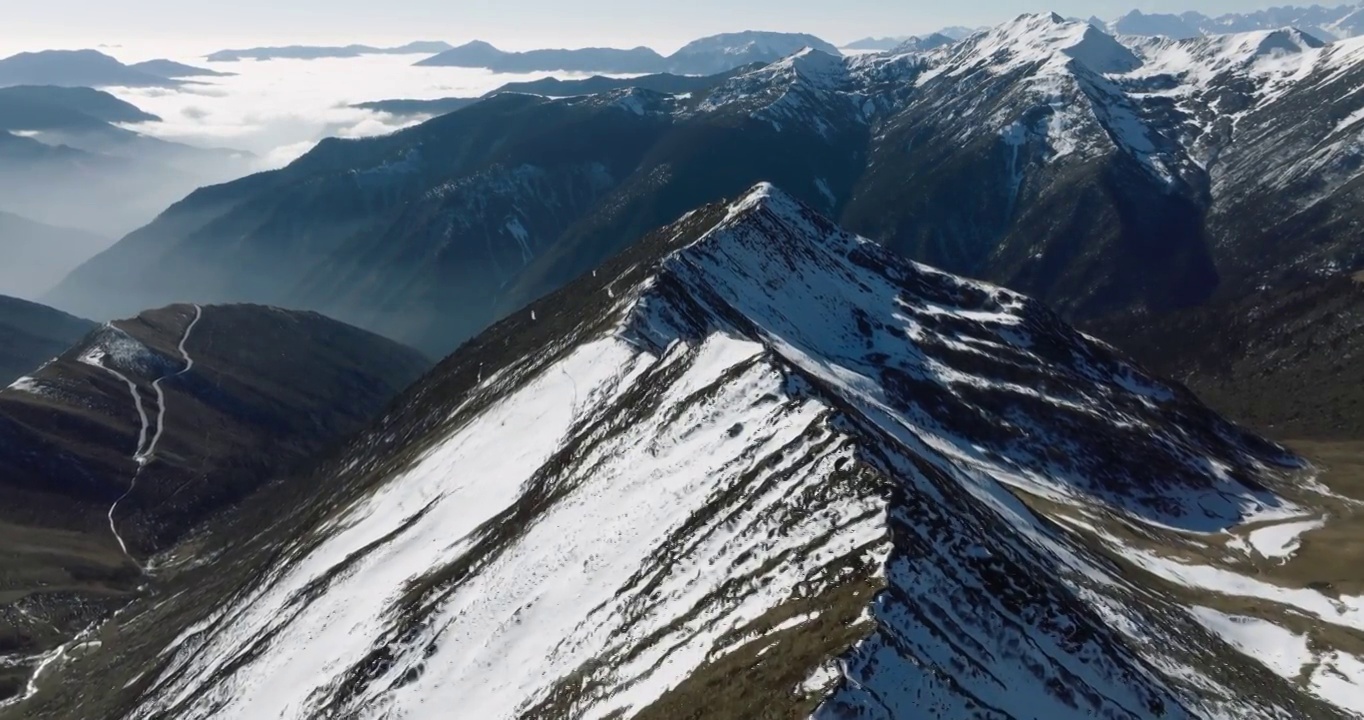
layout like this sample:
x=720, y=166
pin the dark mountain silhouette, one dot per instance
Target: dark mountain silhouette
x=479, y=54
x=175, y=70
x=877, y=44
x=75, y=68
x=554, y=87
x=31, y=334
x=312, y=52
x=49, y=107
x=706, y=56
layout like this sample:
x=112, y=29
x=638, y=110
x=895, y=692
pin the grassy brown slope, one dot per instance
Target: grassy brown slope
x=269, y=389
x=32, y=334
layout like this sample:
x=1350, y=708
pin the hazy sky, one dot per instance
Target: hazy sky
x=663, y=24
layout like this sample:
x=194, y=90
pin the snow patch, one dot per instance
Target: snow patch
x=1278, y=649
x=1282, y=541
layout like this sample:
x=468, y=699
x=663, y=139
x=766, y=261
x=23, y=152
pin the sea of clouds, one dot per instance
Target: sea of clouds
x=279, y=109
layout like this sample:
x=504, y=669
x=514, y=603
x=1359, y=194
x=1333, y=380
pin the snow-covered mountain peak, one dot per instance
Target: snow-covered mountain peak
x=752, y=441
x=814, y=66
x=1044, y=40
x=870, y=325
x=1267, y=57
x=747, y=42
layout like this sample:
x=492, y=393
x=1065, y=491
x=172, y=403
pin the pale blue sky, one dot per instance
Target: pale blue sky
x=523, y=23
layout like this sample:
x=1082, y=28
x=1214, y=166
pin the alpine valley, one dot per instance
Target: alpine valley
x=866, y=386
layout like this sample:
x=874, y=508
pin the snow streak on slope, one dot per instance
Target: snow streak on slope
x=611, y=564
x=775, y=411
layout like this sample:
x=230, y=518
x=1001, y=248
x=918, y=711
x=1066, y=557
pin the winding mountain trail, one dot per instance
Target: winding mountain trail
x=96, y=359
x=146, y=455
x=147, y=450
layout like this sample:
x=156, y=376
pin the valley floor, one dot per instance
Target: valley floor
x=1287, y=592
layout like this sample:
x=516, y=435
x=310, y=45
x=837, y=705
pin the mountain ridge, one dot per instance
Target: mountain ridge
x=313, y=52
x=32, y=334
x=700, y=417
x=143, y=432
x=75, y=68
x=1168, y=145
x=705, y=56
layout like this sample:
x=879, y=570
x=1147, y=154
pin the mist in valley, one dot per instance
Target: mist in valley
x=70, y=190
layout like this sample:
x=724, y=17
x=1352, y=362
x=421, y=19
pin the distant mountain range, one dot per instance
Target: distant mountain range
x=908, y=42
x=77, y=68
x=1326, y=23
x=705, y=56
x=36, y=256
x=430, y=234
x=876, y=44
x=49, y=107
x=54, y=140
x=31, y=334
x=313, y=52
x=554, y=87
x=175, y=70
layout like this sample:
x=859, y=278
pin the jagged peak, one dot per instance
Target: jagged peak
x=773, y=270
x=811, y=65
x=1289, y=39
x=1047, y=40
x=763, y=197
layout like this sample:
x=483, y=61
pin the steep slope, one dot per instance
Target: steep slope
x=1101, y=175
x=430, y=234
x=1021, y=160
x=36, y=256
x=1280, y=360
x=269, y=389
x=31, y=334
x=1308, y=186
x=754, y=466
x=149, y=428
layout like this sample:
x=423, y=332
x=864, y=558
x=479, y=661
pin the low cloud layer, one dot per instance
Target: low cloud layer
x=278, y=109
